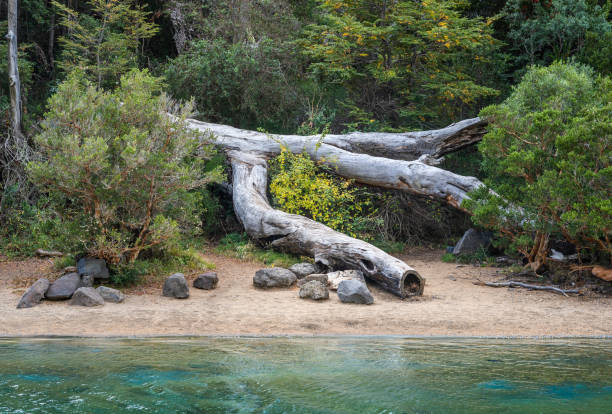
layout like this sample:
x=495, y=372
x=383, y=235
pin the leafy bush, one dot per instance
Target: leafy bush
x=547, y=156
x=120, y=160
x=298, y=186
x=239, y=246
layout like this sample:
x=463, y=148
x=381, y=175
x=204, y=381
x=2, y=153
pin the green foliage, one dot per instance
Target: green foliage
x=549, y=30
x=239, y=246
x=243, y=84
x=117, y=158
x=547, y=156
x=405, y=63
x=103, y=43
x=298, y=186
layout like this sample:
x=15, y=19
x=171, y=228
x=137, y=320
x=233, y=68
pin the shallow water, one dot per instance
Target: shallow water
x=305, y=375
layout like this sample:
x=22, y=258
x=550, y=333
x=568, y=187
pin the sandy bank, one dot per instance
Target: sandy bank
x=452, y=306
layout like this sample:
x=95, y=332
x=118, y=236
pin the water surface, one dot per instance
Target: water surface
x=305, y=375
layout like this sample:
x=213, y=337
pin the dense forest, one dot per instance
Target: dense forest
x=96, y=166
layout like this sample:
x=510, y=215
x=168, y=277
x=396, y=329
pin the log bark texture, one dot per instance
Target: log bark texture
x=300, y=235
x=411, y=176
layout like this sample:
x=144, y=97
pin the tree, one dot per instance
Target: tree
x=122, y=162
x=13, y=69
x=548, y=30
x=547, y=157
x=405, y=63
x=105, y=43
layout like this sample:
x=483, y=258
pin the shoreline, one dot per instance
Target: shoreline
x=451, y=308
x=322, y=336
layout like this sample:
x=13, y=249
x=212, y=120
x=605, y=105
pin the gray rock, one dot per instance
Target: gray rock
x=176, y=287
x=303, y=269
x=110, y=294
x=87, y=281
x=206, y=281
x=354, y=291
x=86, y=296
x=335, y=278
x=314, y=290
x=274, y=277
x=472, y=241
x=64, y=287
x=94, y=267
x=34, y=294
x=319, y=277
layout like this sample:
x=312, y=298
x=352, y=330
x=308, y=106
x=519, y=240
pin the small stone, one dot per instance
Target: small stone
x=314, y=290
x=472, y=241
x=451, y=277
x=319, y=277
x=303, y=269
x=110, y=294
x=176, y=287
x=87, y=281
x=354, y=291
x=206, y=281
x=94, y=267
x=34, y=295
x=64, y=287
x=86, y=296
x=70, y=269
x=336, y=277
x=274, y=277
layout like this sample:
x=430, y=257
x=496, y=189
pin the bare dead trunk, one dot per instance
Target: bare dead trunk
x=411, y=176
x=13, y=70
x=299, y=235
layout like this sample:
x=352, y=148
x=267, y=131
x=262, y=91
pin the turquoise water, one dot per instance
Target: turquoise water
x=305, y=375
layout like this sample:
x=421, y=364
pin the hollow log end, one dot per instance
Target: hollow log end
x=412, y=284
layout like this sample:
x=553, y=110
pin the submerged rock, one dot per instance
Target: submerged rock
x=34, y=295
x=354, y=291
x=206, y=281
x=110, y=294
x=176, y=287
x=472, y=241
x=274, y=277
x=314, y=290
x=86, y=296
x=303, y=269
x=93, y=267
x=319, y=277
x=64, y=287
x=335, y=278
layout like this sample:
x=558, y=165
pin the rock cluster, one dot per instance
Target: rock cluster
x=76, y=286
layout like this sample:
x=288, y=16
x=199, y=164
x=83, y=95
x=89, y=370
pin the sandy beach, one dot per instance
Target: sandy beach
x=451, y=306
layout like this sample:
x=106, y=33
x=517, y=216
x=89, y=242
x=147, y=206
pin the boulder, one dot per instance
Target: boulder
x=354, y=291
x=335, y=278
x=303, y=269
x=64, y=287
x=472, y=241
x=206, y=281
x=274, y=277
x=34, y=294
x=314, y=290
x=110, y=294
x=86, y=296
x=93, y=267
x=87, y=281
x=176, y=287
x=319, y=277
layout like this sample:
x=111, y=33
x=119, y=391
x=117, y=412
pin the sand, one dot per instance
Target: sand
x=452, y=306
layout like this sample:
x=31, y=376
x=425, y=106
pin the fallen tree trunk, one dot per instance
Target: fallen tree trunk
x=299, y=235
x=411, y=176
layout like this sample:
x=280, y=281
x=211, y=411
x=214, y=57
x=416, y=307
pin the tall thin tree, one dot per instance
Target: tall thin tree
x=13, y=70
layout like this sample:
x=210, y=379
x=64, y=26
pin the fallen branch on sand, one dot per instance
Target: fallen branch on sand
x=513, y=284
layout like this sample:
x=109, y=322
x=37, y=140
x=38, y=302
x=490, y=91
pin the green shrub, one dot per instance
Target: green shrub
x=239, y=246
x=547, y=156
x=116, y=159
x=299, y=186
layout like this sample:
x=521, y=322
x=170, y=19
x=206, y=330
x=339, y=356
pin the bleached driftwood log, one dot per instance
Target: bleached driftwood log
x=411, y=176
x=297, y=234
